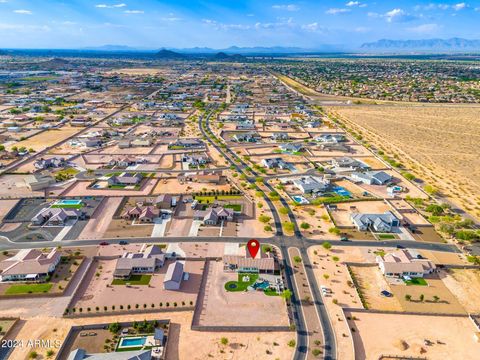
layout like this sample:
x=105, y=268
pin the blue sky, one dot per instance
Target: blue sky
x=222, y=23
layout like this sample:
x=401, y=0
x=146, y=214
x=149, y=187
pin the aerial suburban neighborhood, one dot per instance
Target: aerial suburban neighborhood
x=191, y=204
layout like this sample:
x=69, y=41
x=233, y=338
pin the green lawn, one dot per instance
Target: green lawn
x=28, y=289
x=386, y=236
x=69, y=206
x=212, y=198
x=133, y=280
x=234, y=207
x=270, y=292
x=416, y=281
x=240, y=285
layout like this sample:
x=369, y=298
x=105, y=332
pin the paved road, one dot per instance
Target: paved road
x=304, y=296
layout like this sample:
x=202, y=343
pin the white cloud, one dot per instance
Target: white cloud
x=105, y=6
x=362, y=29
x=459, y=6
x=394, y=14
x=134, y=12
x=221, y=26
x=289, y=7
x=171, y=17
x=335, y=11
x=23, y=12
x=310, y=27
x=353, y=3
x=424, y=29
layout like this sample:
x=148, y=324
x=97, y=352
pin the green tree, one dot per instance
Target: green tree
x=264, y=218
x=114, y=327
x=286, y=294
x=305, y=225
x=326, y=245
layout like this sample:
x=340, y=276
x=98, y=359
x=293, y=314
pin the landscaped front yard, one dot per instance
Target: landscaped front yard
x=133, y=280
x=241, y=285
x=28, y=289
x=416, y=281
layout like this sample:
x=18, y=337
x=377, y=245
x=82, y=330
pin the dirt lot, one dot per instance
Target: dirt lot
x=319, y=222
x=48, y=138
x=182, y=342
x=98, y=292
x=173, y=186
x=100, y=221
x=414, y=134
x=465, y=285
x=124, y=228
x=221, y=307
x=372, y=282
x=403, y=335
x=81, y=189
x=447, y=303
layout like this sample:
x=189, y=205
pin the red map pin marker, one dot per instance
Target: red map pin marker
x=253, y=246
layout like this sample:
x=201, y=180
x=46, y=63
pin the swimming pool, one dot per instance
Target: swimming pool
x=341, y=191
x=127, y=342
x=300, y=199
x=68, y=202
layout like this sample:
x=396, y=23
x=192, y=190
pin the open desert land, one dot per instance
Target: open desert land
x=173, y=186
x=465, y=285
x=371, y=283
x=253, y=345
x=219, y=307
x=47, y=138
x=15, y=186
x=318, y=219
x=338, y=282
x=437, y=143
x=403, y=336
x=80, y=188
x=99, y=222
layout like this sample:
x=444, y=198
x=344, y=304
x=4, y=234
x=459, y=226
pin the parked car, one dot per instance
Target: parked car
x=344, y=238
x=386, y=293
x=123, y=242
x=104, y=243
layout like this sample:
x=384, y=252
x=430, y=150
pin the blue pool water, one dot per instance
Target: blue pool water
x=300, y=199
x=263, y=285
x=341, y=191
x=69, y=202
x=132, y=341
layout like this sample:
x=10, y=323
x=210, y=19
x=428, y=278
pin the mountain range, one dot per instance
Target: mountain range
x=453, y=44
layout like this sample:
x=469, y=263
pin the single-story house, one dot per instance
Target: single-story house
x=237, y=259
x=56, y=216
x=291, y=148
x=378, y=222
x=403, y=263
x=146, y=261
x=212, y=216
x=49, y=163
x=372, y=177
x=310, y=184
x=126, y=179
x=347, y=163
x=29, y=265
x=272, y=163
